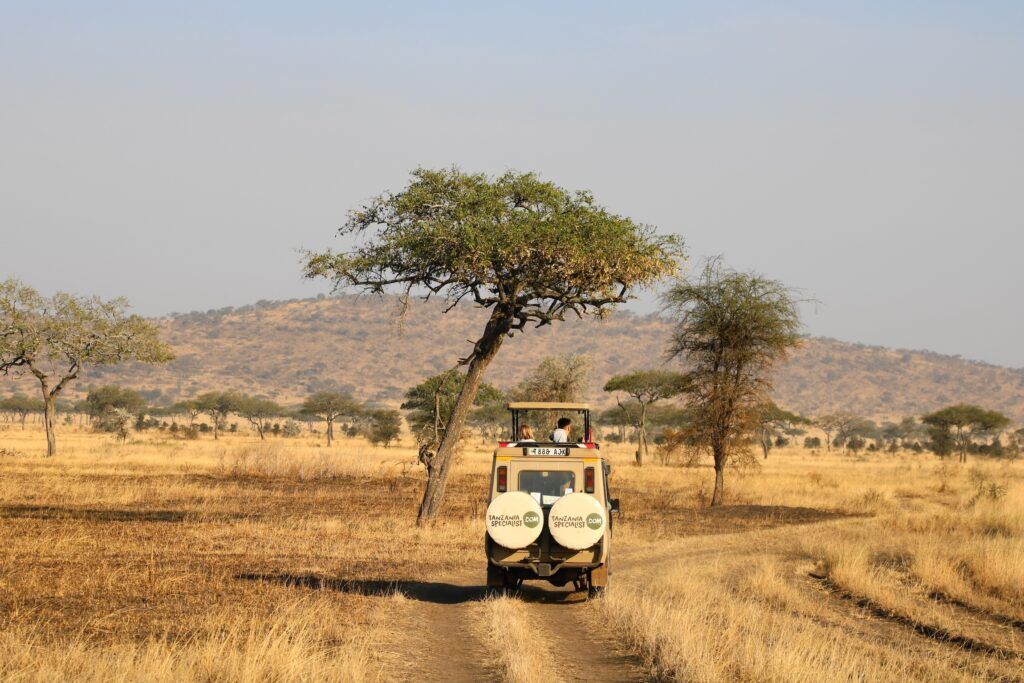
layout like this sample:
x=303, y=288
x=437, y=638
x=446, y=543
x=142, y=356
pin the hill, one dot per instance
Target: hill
x=285, y=350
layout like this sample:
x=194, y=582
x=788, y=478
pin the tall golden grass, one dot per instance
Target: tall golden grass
x=236, y=559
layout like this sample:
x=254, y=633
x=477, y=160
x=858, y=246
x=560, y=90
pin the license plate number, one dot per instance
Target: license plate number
x=543, y=450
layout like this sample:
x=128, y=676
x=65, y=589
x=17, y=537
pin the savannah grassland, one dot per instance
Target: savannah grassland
x=169, y=560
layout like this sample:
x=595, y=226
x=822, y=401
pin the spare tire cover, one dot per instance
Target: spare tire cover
x=514, y=520
x=577, y=521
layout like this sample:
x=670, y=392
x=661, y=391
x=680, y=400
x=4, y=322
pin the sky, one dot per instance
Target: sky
x=871, y=154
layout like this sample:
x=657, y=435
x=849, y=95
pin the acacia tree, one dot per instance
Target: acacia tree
x=646, y=387
x=22, y=406
x=258, y=411
x=54, y=338
x=731, y=330
x=432, y=402
x=526, y=250
x=218, y=405
x=556, y=379
x=771, y=420
x=966, y=422
x=329, y=406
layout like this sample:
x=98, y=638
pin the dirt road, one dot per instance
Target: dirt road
x=436, y=642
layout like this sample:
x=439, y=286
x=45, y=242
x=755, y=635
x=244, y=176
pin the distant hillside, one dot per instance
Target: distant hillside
x=286, y=350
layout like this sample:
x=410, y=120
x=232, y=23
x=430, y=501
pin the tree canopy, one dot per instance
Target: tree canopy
x=966, y=422
x=54, y=338
x=731, y=329
x=329, y=406
x=525, y=249
x=646, y=387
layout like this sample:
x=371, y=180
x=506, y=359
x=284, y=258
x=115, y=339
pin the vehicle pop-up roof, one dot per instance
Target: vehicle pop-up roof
x=518, y=408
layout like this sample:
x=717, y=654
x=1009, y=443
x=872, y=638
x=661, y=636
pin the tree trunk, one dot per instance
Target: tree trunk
x=23, y=416
x=50, y=419
x=718, y=497
x=485, y=349
x=641, y=447
x=330, y=430
x=766, y=443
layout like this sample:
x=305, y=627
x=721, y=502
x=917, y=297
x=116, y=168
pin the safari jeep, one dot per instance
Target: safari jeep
x=550, y=513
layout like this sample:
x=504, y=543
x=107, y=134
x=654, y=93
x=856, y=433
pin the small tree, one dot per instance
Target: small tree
x=646, y=387
x=102, y=399
x=115, y=420
x=432, y=402
x=54, y=338
x=329, y=406
x=966, y=422
x=771, y=420
x=385, y=426
x=731, y=330
x=188, y=408
x=217, y=405
x=524, y=249
x=556, y=379
x=22, y=406
x=259, y=412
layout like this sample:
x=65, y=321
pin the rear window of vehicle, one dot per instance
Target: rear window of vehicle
x=547, y=485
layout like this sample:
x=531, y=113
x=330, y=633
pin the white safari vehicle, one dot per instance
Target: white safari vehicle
x=550, y=513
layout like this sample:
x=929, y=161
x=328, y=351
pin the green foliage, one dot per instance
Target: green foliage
x=431, y=402
x=330, y=405
x=217, y=405
x=22, y=406
x=54, y=338
x=959, y=425
x=385, y=426
x=104, y=398
x=514, y=240
x=258, y=411
x=648, y=386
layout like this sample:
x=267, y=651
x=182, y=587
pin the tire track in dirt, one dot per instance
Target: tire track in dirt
x=435, y=640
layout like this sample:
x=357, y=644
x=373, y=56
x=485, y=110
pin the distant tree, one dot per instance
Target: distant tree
x=731, y=330
x=432, y=402
x=385, y=426
x=620, y=417
x=217, y=405
x=22, y=406
x=965, y=422
x=771, y=420
x=115, y=420
x=189, y=408
x=102, y=399
x=646, y=387
x=524, y=249
x=54, y=338
x=840, y=424
x=259, y=412
x=491, y=415
x=811, y=442
x=557, y=379
x=329, y=406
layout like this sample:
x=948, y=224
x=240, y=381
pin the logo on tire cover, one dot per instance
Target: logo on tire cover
x=594, y=521
x=531, y=519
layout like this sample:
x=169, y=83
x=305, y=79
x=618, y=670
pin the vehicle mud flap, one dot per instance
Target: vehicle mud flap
x=496, y=577
x=599, y=577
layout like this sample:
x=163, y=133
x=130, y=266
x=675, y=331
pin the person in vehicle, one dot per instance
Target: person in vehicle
x=526, y=433
x=561, y=433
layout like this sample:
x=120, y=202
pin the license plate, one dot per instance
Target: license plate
x=545, y=450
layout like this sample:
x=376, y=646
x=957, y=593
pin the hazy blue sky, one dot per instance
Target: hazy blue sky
x=181, y=155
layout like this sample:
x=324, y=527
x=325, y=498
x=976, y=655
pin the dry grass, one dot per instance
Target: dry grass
x=239, y=560
x=516, y=641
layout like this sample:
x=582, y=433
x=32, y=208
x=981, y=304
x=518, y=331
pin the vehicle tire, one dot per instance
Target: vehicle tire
x=514, y=520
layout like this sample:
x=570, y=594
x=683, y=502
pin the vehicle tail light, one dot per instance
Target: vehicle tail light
x=503, y=444
x=503, y=479
x=588, y=479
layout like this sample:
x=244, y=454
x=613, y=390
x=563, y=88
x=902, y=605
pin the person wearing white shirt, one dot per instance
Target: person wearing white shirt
x=561, y=433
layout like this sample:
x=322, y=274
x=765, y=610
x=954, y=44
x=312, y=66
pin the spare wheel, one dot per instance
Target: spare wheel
x=577, y=521
x=514, y=520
